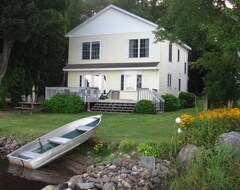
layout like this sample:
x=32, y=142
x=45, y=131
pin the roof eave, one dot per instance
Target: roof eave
x=112, y=69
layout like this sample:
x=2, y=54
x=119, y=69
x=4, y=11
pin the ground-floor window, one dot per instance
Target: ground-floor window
x=130, y=82
x=139, y=81
x=179, y=84
x=169, y=80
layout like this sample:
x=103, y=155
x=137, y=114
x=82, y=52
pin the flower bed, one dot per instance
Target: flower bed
x=204, y=128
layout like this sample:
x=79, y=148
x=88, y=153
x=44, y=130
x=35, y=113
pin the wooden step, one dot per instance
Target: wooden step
x=114, y=107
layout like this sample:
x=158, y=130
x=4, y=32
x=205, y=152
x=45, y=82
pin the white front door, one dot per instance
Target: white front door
x=94, y=81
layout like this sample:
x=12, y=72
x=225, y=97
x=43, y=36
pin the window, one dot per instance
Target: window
x=133, y=48
x=169, y=80
x=179, y=84
x=139, y=81
x=91, y=50
x=122, y=82
x=138, y=48
x=185, y=68
x=80, y=81
x=178, y=55
x=95, y=50
x=86, y=50
x=131, y=82
x=144, y=47
x=170, y=52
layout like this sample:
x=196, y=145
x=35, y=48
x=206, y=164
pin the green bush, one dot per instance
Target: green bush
x=163, y=150
x=216, y=169
x=126, y=146
x=238, y=103
x=63, y=103
x=145, y=107
x=188, y=99
x=172, y=103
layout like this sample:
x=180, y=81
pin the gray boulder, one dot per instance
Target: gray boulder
x=187, y=154
x=232, y=138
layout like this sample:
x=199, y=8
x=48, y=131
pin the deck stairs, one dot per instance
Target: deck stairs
x=114, y=106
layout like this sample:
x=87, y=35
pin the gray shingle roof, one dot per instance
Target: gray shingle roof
x=111, y=66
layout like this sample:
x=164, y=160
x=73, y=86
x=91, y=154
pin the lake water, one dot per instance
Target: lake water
x=18, y=178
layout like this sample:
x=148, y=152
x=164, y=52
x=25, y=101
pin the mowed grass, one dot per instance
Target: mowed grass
x=113, y=128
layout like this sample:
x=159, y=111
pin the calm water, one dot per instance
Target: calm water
x=17, y=178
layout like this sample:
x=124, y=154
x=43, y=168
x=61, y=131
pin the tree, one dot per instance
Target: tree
x=212, y=28
x=24, y=18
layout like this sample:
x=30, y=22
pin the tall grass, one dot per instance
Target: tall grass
x=212, y=169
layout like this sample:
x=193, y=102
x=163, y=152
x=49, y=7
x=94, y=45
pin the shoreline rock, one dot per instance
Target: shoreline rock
x=8, y=144
x=123, y=173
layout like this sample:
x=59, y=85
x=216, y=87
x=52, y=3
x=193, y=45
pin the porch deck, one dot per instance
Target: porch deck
x=117, y=101
x=93, y=95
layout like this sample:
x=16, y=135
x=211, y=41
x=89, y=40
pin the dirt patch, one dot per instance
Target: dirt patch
x=76, y=163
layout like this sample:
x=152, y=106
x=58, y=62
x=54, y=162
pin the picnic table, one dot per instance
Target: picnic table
x=28, y=106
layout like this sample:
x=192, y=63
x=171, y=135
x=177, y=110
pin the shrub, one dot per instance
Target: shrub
x=212, y=169
x=238, y=103
x=101, y=149
x=63, y=103
x=188, y=99
x=172, y=103
x=126, y=146
x=145, y=107
x=163, y=149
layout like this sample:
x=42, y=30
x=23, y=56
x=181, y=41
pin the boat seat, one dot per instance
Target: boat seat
x=83, y=128
x=28, y=155
x=59, y=140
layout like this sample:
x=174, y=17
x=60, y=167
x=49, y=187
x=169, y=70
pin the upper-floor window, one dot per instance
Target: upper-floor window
x=185, y=68
x=90, y=50
x=138, y=48
x=170, y=52
x=178, y=55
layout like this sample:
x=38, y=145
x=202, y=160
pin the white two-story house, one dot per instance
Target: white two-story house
x=116, y=51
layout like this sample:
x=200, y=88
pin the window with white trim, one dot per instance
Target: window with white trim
x=185, y=68
x=139, y=81
x=80, y=81
x=138, y=48
x=178, y=55
x=179, y=84
x=130, y=82
x=170, y=52
x=122, y=82
x=91, y=50
x=169, y=80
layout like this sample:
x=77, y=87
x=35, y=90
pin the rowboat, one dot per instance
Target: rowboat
x=54, y=144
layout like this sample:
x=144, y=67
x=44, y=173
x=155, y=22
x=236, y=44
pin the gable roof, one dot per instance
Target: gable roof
x=108, y=21
x=111, y=66
x=104, y=13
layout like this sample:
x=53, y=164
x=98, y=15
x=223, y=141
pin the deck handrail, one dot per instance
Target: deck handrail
x=89, y=94
x=152, y=95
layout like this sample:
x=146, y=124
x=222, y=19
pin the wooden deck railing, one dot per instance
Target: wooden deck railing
x=87, y=94
x=152, y=95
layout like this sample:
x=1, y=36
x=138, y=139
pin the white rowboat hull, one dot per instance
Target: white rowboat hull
x=54, y=144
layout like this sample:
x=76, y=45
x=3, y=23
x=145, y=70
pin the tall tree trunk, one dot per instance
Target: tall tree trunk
x=4, y=57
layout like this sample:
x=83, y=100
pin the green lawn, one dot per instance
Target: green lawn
x=114, y=127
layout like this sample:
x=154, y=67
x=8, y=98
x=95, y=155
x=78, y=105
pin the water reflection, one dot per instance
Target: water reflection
x=18, y=178
x=45, y=176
